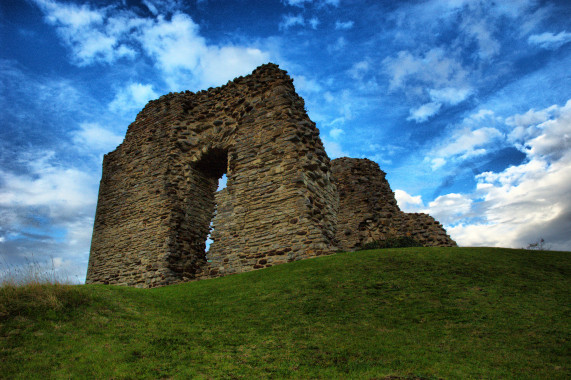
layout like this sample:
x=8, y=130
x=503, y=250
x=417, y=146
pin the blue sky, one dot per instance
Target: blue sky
x=465, y=104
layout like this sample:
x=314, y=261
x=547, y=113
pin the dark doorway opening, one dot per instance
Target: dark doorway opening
x=213, y=165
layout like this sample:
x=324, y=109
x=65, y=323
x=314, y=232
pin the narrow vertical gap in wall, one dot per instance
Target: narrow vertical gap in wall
x=221, y=185
x=213, y=165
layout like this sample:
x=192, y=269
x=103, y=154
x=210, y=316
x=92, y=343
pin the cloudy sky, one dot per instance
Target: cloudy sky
x=466, y=104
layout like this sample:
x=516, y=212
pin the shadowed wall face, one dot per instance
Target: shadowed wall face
x=157, y=193
x=368, y=210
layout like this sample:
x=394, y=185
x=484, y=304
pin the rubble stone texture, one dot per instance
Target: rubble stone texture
x=157, y=195
x=368, y=210
x=157, y=192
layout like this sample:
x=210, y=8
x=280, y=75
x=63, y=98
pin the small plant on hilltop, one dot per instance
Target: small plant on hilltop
x=393, y=242
x=538, y=245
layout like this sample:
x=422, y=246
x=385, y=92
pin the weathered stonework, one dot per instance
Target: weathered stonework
x=157, y=192
x=368, y=210
x=158, y=196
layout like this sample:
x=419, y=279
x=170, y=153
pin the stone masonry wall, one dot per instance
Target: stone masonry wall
x=368, y=210
x=157, y=193
x=284, y=200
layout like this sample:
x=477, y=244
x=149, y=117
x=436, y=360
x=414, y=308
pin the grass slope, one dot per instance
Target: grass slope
x=414, y=312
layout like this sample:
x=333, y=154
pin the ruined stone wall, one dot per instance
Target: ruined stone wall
x=368, y=210
x=131, y=233
x=157, y=193
x=284, y=200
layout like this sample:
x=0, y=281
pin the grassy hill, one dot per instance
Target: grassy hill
x=395, y=313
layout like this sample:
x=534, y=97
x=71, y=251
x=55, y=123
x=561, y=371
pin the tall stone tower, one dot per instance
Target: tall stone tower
x=157, y=193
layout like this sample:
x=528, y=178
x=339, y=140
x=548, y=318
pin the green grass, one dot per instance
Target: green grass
x=406, y=313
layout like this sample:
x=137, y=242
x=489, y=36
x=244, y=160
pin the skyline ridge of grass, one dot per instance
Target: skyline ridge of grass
x=411, y=312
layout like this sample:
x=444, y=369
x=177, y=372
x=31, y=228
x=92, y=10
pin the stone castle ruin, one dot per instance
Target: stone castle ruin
x=284, y=199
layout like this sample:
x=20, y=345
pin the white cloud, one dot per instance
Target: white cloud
x=151, y=7
x=448, y=208
x=185, y=58
x=314, y=22
x=465, y=142
x=531, y=117
x=522, y=203
x=512, y=176
x=96, y=138
x=64, y=191
x=481, y=31
x=333, y=149
x=528, y=125
x=474, y=235
x=478, y=17
x=409, y=203
x=437, y=163
x=47, y=208
x=549, y=40
x=33, y=104
x=344, y=25
x=305, y=85
x=554, y=142
x=336, y=133
x=297, y=3
x=301, y=3
x=134, y=96
x=400, y=68
x=531, y=20
x=359, y=69
x=339, y=108
x=72, y=15
x=334, y=109
x=163, y=6
x=329, y=97
x=424, y=112
x=512, y=8
x=444, y=96
x=182, y=55
x=80, y=231
x=45, y=198
x=478, y=134
x=173, y=43
x=434, y=69
x=374, y=146
x=481, y=114
x=339, y=44
x=543, y=133
x=88, y=32
x=450, y=95
x=221, y=64
x=290, y=21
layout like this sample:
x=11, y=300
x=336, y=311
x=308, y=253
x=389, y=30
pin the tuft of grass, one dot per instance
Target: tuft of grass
x=31, y=272
x=33, y=290
x=37, y=300
x=410, y=313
